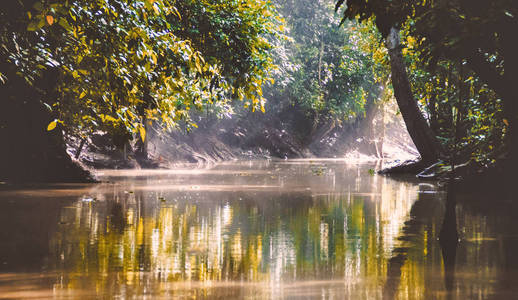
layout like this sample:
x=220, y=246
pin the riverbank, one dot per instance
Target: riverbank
x=249, y=136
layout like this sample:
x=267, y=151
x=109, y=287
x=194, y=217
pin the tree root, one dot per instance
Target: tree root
x=406, y=167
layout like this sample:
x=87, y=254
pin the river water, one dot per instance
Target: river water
x=321, y=229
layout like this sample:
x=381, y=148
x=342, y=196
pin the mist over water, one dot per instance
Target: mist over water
x=324, y=229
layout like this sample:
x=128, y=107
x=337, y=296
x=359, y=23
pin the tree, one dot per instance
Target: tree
x=478, y=33
x=419, y=130
x=116, y=64
x=321, y=81
x=462, y=111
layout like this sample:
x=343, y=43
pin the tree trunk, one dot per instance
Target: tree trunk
x=368, y=132
x=141, y=146
x=510, y=48
x=80, y=148
x=380, y=132
x=432, y=107
x=141, y=152
x=421, y=134
x=30, y=153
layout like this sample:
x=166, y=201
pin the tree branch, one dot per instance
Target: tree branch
x=487, y=72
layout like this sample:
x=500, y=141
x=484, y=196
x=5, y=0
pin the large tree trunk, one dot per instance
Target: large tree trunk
x=28, y=152
x=510, y=101
x=421, y=134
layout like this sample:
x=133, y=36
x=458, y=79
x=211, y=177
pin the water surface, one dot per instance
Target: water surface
x=292, y=229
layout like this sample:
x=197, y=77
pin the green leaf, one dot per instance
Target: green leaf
x=36, y=24
x=52, y=125
x=177, y=13
x=64, y=23
x=38, y=6
x=142, y=131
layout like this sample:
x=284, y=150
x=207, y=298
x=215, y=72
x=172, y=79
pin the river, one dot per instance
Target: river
x=325, y=229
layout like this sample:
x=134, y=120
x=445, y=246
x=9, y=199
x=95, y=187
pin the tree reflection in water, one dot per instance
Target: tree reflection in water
x=449, y=237
x=256, y=231
x=271, y=238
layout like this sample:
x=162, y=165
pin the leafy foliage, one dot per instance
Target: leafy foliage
x=116, y=64
x=327, y=73
x=462, y=110
x=462, y=64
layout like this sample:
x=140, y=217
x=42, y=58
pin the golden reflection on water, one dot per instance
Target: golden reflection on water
x=254, y=230
x=166, y=235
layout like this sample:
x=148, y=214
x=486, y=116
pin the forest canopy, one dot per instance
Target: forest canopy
x=461, y=60
x=79, y=67
x=114, y=64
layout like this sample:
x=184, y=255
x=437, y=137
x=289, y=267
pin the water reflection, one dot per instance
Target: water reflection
x=286, y=226
x=315, y=229
x=449, y=237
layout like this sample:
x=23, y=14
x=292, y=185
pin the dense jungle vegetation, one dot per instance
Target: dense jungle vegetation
x=76, y=68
